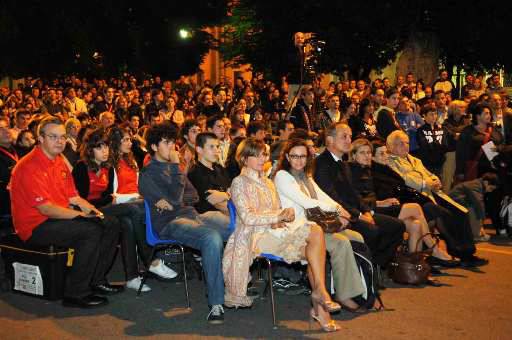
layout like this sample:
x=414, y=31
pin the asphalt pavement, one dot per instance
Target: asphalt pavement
x=470, y=305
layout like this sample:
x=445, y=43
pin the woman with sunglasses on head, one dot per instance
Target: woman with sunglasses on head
x=109, y=190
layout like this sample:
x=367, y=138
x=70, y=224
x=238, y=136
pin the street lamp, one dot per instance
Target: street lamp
x=184, y=33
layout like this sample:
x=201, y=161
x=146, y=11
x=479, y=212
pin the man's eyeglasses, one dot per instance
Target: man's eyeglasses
x=55, y=138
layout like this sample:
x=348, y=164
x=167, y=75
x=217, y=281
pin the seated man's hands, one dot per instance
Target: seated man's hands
x=216, y=197
x=436, y=184
x=163, y=205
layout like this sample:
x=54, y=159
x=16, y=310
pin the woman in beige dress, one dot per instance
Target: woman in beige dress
x=262, y=226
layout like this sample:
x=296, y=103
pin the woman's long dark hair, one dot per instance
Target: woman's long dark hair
x=93, y=140
x=115, y=138
x=284, y=164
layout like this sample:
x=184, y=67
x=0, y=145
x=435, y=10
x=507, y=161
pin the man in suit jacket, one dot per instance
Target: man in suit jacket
x=382, y=233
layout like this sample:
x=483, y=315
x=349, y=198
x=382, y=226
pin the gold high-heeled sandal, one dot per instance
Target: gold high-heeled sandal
x=328, y=305
x=329, y=327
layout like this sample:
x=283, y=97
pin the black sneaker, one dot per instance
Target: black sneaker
x=216, y=315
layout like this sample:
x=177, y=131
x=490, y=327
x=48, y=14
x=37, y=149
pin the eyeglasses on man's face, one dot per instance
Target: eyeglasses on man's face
x=54, y=137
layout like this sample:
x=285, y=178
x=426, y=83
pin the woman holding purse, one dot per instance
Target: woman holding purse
x=298, y=190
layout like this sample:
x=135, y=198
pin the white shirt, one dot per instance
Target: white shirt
x=291, y=196
x=335, y=117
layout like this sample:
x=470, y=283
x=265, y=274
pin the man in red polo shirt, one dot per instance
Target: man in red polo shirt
x=42, y=192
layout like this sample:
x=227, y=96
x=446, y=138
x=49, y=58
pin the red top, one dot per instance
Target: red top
x=37, y=180
x=97, y=183
x=147, y=159
x=126, y=179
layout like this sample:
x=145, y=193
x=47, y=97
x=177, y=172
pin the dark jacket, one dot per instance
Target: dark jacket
x=385, y=180
x=82, y=183
x=335, y=180
x=468, y=149
x=300, y=116
x=386, y=123
x=452, y=128
x=362, y=181
x=7, y=163
x=507, y=126
x=433, y=144
x=163, y=180
x=470, y=194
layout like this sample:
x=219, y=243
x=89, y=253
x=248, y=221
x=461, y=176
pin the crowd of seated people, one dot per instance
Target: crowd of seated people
x=93, y=151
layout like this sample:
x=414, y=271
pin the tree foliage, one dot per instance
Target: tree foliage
x=364, y=35
x=40, y=38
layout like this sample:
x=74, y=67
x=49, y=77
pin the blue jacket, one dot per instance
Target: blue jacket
x=410, y=122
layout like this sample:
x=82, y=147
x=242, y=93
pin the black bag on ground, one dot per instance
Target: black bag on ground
x=369, y=275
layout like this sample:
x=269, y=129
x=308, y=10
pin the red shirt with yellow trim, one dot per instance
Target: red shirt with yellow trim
x=37, y=180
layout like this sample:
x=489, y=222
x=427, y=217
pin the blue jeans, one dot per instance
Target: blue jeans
x=204, y=233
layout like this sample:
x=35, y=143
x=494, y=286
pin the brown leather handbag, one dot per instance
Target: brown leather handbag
x=412, y=267
x=327, y=220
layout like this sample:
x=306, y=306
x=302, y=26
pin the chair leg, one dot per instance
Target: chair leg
x=185, y=281
x=272, y=300
x=260, y=277
x=145, y=275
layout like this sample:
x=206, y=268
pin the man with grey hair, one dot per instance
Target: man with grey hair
x=381, y=233
x=453, y=224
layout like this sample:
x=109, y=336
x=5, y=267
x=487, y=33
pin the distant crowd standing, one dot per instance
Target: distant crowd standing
x=389, y=160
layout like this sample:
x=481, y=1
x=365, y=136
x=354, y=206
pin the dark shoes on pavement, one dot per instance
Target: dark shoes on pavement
x=90, y=301
x=473, y=261
x=107, y=289
x=435, y=261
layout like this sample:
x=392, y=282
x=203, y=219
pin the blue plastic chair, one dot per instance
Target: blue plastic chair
x=269, y=258
x=156, y=243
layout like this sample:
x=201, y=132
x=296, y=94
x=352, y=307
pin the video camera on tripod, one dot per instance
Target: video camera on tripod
x=314, y=48
x=311, y=48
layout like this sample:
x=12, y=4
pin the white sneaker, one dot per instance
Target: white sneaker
x=135, y=284
x=163, y=271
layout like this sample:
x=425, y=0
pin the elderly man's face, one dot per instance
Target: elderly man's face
x=400, y=146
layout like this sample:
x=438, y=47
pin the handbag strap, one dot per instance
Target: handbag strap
x=435, y=237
